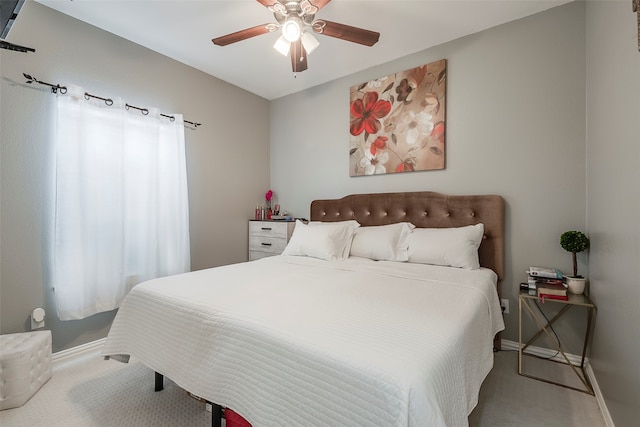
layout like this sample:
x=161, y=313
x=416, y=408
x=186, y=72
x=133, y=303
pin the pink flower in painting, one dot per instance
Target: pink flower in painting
x=268, y=195
x=379, y=144
x=438, y=132
x=406, y=166
x=367, y=112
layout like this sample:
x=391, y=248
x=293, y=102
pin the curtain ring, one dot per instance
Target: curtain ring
x=86, y=96
x=172, y=118
x=144, y=111
x=62, y=89
x=109, y=102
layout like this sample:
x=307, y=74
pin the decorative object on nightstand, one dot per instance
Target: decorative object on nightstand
x=268, y=196
x=574, y=242
x=268, y=238
x=547, y=283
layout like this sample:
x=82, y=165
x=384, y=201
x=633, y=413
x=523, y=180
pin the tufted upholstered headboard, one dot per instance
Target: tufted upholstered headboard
x=425, y=209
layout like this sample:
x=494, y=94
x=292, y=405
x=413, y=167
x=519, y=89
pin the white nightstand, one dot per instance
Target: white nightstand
x=268, y=238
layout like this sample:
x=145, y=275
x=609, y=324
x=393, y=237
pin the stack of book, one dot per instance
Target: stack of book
x=548, y=283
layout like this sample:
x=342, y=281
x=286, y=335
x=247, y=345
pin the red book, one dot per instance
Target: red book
x=558, y=297
x=550, y=289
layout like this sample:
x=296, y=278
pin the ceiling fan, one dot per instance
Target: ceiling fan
x=294, y=18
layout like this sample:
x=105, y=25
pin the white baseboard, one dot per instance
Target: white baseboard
x=573, y=358
x=544, y=352
x=599, y=398
x=74, y=354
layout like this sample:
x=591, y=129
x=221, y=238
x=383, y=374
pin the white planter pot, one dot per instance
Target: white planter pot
x=576, y=284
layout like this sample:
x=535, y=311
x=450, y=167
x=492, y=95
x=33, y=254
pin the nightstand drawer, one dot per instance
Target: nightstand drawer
x=254, y=255
x=268, y=229
x=268, y=238
x=267, y=244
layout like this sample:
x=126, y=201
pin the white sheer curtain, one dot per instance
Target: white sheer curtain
x=121, y=202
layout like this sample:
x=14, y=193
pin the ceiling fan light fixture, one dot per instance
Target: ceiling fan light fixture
x=282, y=46
x=309, y=42
x=295, y=20
x=291, y=30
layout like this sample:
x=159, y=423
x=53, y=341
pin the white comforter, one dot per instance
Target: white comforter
x=303, y=342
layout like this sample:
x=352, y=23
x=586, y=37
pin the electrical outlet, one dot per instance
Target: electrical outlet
x=504, y=303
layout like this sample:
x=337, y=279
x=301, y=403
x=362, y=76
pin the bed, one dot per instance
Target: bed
x=302, y=340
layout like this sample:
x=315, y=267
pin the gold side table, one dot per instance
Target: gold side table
x=527, y=302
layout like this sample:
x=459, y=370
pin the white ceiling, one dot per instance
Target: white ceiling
x=183, y=29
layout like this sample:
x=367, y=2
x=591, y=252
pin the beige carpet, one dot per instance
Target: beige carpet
x=508, y=399
x=95, y=392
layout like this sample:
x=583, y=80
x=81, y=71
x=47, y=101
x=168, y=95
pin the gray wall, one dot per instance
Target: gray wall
x=226, y=170
x=613, y=203
x=515, y=127
x=522, y=100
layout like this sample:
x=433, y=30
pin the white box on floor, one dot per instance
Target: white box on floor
x=25, y=365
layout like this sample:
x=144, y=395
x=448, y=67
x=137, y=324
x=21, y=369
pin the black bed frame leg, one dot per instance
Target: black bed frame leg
x=216, y=415
x=216, y=410
x=159, y=382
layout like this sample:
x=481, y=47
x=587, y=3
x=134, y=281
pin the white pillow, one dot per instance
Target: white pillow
x=383, y=242
x=348, y=227
x=325, y=240
x=453, y=247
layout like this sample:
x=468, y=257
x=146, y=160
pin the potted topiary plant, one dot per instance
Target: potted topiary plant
x=574, y=242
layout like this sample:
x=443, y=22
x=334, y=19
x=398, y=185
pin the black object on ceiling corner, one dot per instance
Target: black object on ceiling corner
x=9, y=10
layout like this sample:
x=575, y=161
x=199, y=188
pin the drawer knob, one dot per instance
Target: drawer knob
x=266, y=244
x=266, y=228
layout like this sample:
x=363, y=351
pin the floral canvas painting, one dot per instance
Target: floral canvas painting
x=397, y=122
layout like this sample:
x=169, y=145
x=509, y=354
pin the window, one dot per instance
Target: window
x=121, y=209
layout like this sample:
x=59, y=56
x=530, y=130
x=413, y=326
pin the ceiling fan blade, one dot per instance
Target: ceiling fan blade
x=319, y=3
x=267, y=3
x=241, y=35
x=346, y=32
x=298, y=56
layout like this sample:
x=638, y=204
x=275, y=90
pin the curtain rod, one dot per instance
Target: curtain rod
x=16, y=47
x=63, y=89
